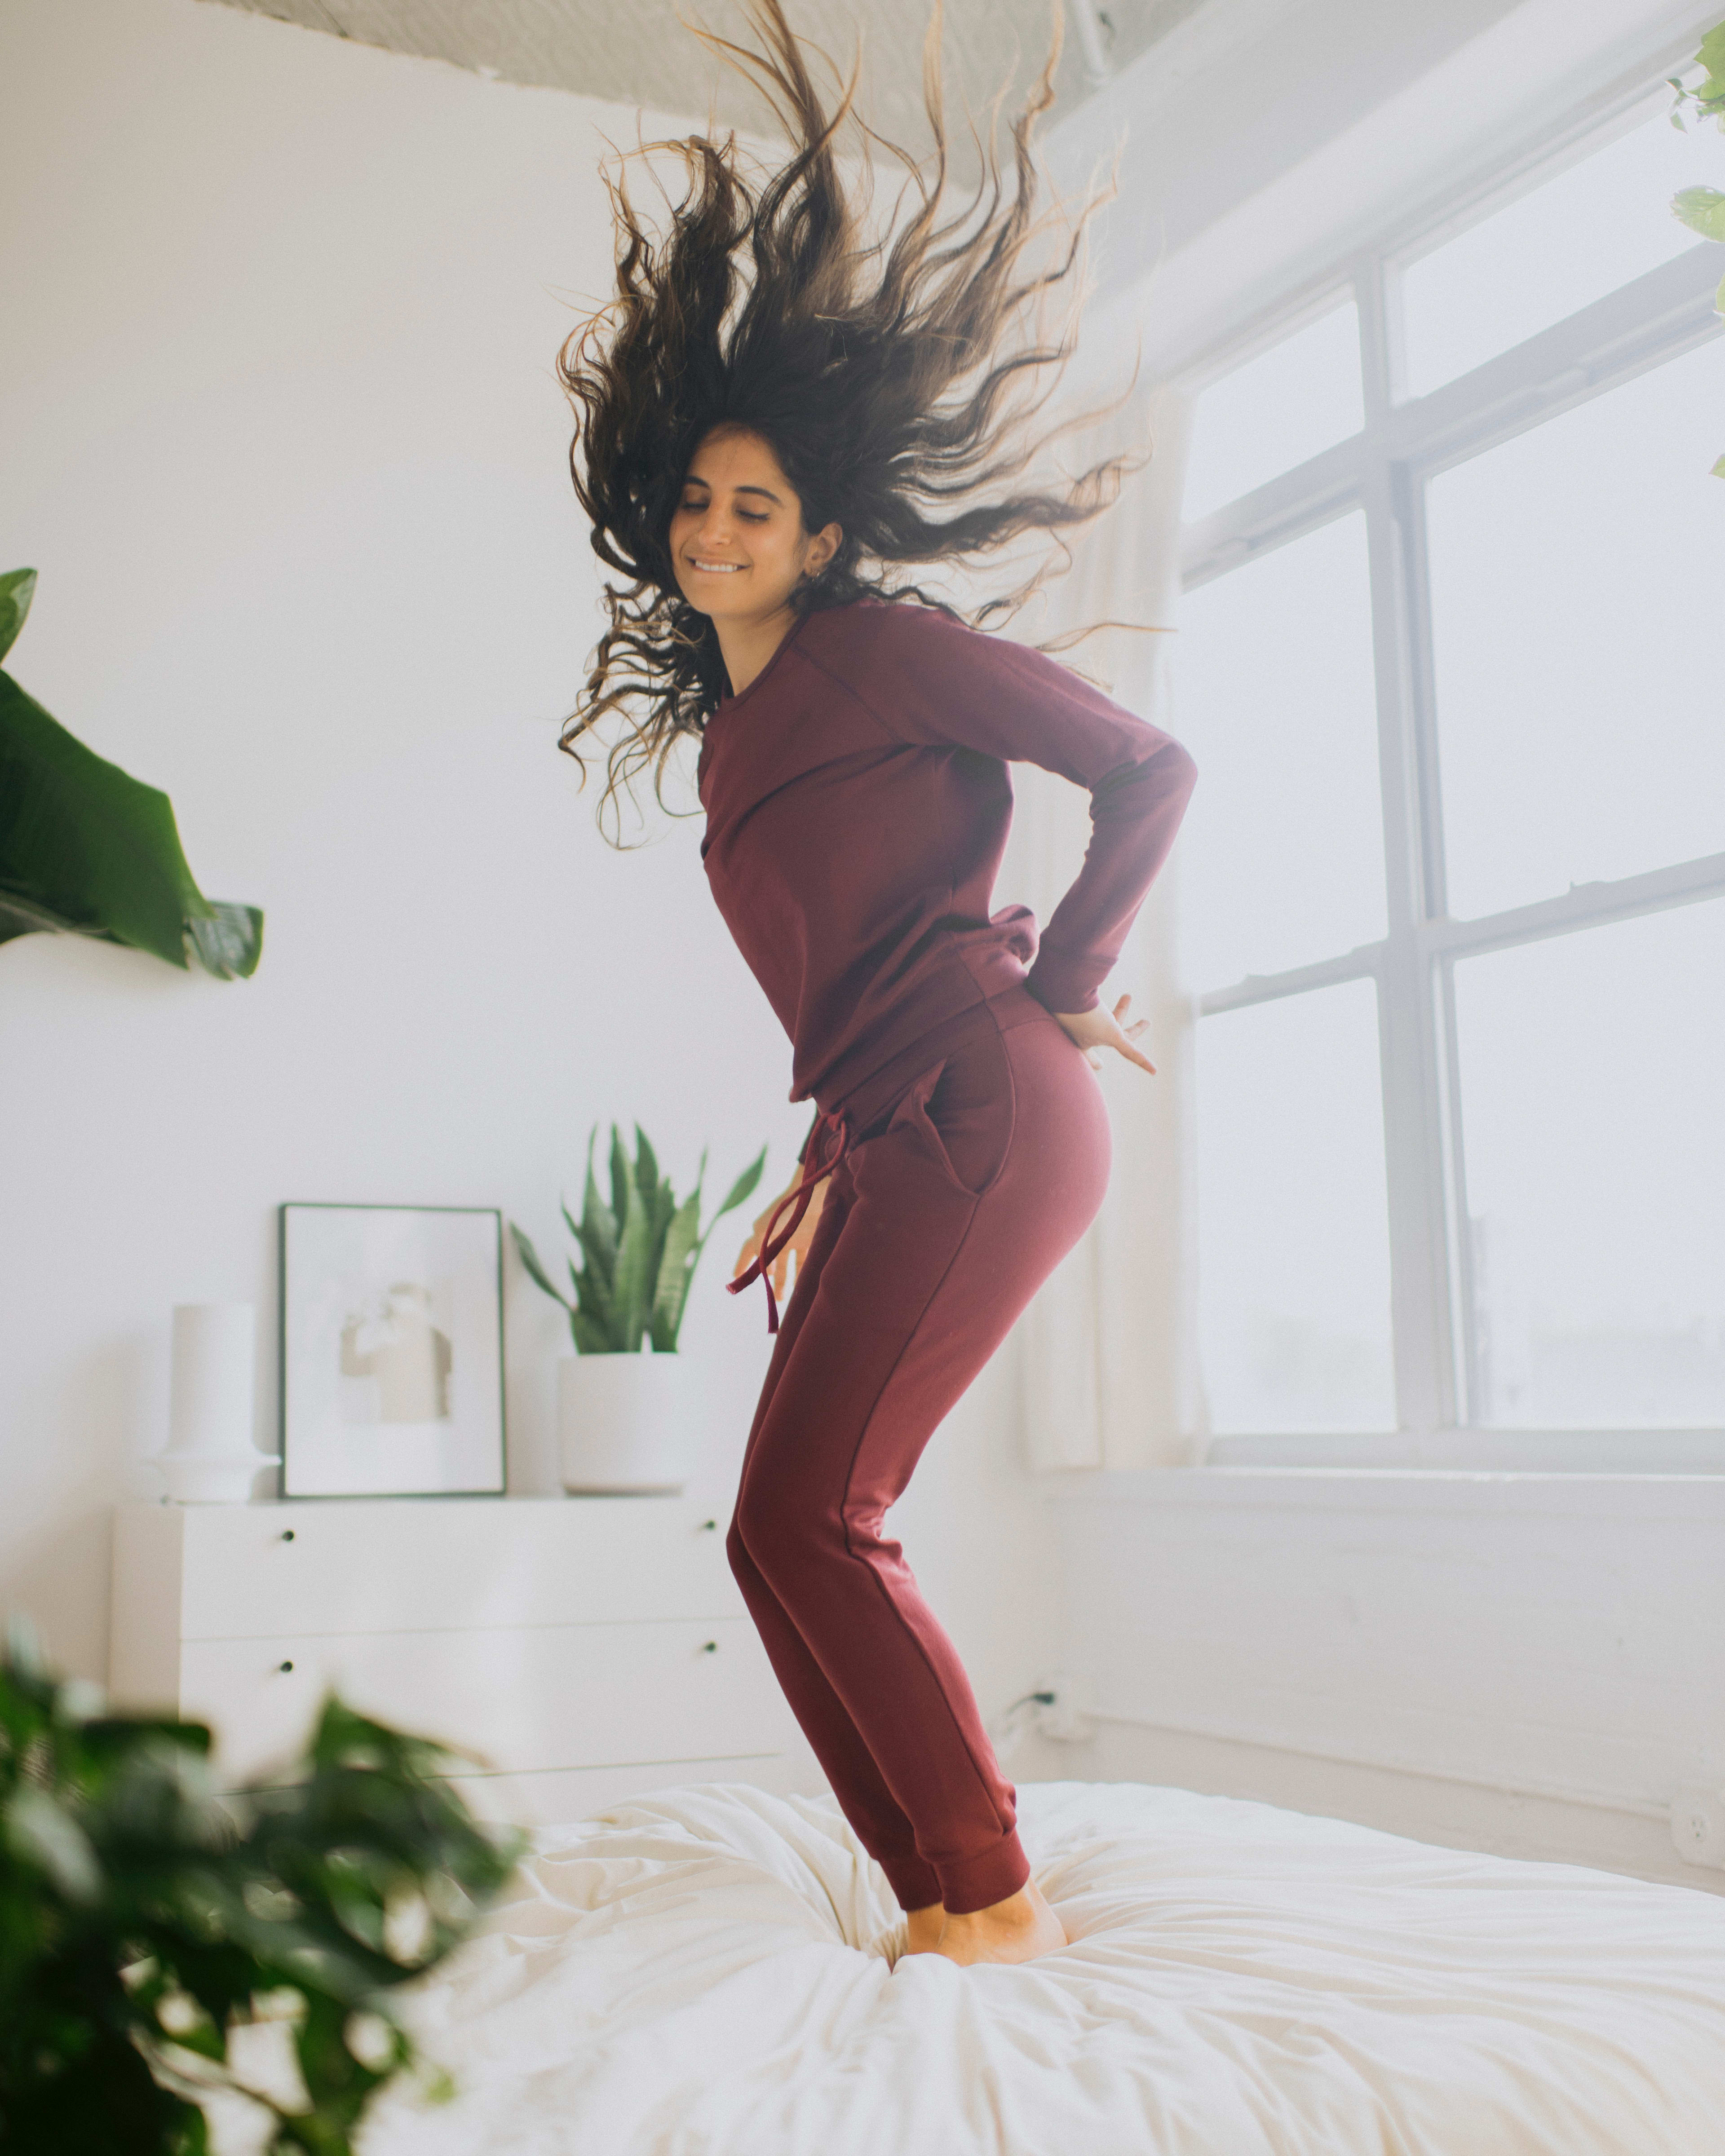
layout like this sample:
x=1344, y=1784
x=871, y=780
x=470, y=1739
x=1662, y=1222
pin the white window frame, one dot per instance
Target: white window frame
x=1382, y=471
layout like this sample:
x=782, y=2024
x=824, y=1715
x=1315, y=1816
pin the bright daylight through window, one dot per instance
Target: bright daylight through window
x=1452, y=664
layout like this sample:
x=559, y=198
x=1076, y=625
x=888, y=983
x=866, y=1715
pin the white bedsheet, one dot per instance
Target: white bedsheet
x=707, y=1972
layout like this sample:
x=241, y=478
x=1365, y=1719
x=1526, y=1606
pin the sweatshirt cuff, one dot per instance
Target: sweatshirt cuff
x=1061, y=984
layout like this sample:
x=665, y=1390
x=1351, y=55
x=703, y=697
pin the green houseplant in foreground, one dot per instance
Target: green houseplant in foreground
x=86, y=849
x=639, y=1252
x=145, y=1921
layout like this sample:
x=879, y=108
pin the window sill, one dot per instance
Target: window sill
x=1694, y=1499
x=1635, y=1452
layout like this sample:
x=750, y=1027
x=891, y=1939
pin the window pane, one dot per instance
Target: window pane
x=1282, y=847
x=1595, y=1157
x=1302, y=396
x=1580, y=642
x=1293, y=1218
x=1555, y=249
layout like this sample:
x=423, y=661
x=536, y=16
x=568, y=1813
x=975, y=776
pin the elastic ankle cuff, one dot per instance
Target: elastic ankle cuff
x=914, y=1885
x=980, y=1881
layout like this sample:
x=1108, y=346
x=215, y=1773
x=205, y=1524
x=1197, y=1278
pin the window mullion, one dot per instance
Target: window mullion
x=1431, y=978
x=1420, y=1291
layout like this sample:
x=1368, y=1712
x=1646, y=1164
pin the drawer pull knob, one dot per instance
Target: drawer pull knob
x=286, y=1668
x=287, y=1534
x=710, y=1648
x=709, y=1527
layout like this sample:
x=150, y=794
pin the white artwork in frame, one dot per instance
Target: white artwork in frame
x=392, y=1351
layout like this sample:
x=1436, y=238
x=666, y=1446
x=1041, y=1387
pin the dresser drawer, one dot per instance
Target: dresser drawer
x=264, y=1571
x=522, y=1699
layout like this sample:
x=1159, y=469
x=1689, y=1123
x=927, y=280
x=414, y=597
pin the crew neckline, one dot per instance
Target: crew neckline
x=785, y=642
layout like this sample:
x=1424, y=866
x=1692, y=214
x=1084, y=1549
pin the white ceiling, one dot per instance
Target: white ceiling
x=1219, y=110
x=638, y=52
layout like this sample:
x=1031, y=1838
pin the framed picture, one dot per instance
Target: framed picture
x=392, y=1351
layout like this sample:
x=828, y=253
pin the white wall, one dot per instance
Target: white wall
x=1513, y=1663
x=279, y=427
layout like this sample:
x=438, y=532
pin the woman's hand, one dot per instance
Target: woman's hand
x=799, y=1242
x=1102, y=1029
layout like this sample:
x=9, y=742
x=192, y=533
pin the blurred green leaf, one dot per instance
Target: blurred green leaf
x=646, y=1166
x=676, y=1268
x=1703, y=209
x=634, y=1247
x=143, y=1917
x=743, y=1185
x=536, y=1272
x=17, y=587
x=620, y=1184
x=597, y=1232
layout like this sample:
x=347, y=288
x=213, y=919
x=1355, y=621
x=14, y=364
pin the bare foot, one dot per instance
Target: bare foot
x=924, y=1928
x=1017, y=1930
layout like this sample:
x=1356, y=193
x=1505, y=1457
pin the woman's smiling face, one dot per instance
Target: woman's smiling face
x=738, y=547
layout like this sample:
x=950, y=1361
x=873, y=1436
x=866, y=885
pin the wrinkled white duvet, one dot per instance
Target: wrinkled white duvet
x=708, y=1972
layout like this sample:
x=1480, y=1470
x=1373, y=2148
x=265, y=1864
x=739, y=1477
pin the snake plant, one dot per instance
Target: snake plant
x=639, y=1252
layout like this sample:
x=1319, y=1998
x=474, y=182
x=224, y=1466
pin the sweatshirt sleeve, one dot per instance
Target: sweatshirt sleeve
x=936, y=681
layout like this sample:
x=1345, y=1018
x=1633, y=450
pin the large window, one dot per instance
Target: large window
x=1452, y=664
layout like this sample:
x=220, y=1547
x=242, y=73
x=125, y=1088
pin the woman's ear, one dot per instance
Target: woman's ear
x=822, y=548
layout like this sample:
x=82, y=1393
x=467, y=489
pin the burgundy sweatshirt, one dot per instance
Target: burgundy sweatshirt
x=858, y=805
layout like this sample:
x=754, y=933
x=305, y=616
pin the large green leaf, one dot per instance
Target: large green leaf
x=1703, y=209
x=86, y=849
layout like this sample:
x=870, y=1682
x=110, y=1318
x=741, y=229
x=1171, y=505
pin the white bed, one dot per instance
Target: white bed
x=708, y=1972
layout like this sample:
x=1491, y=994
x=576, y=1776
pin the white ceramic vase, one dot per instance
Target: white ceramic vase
x=210, y=1458
x=629, y=1422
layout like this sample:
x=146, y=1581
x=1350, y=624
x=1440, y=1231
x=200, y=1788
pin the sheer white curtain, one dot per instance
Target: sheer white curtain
x=1106, y=1364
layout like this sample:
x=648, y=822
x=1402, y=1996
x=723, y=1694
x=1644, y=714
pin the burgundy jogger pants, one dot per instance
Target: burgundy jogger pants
x=946, y=1212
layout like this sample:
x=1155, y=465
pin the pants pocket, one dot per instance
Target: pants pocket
x=962, y=1110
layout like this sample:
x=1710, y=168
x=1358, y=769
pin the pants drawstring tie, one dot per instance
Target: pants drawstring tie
x=774, y=1239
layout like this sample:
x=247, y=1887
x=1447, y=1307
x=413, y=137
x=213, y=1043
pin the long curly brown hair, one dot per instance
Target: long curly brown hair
x=880, y=373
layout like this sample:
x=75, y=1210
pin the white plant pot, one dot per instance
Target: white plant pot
x=629, y=1422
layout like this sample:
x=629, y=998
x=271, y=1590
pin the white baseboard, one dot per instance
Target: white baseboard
x=1453, y=1814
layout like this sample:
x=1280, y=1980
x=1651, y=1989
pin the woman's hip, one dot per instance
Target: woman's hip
x=1012, y=1120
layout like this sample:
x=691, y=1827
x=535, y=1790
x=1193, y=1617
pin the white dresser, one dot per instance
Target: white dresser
x=583, y=1649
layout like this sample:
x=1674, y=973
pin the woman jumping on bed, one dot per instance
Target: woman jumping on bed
x=774, y=414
